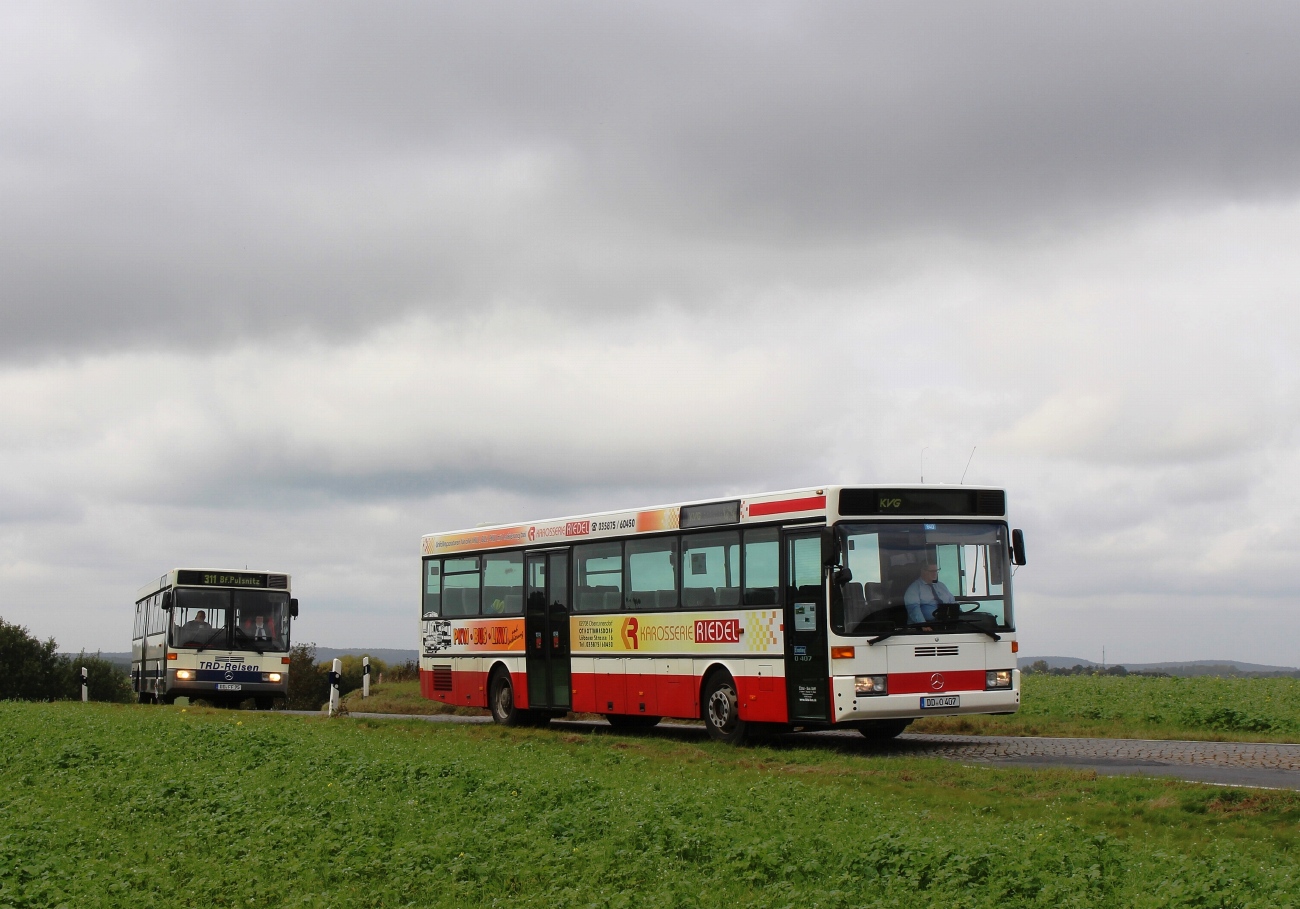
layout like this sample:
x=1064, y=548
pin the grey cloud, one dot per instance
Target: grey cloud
x=207, y=172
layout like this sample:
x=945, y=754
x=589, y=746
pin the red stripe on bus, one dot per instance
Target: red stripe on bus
x=811, y=503
x=936, y=682
x=762, y=699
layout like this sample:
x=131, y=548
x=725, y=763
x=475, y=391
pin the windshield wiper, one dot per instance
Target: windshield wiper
x=880, y=637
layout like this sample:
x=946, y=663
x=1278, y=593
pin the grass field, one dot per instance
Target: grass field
x=1201, y=709
x=1204, y=709
x=107, y=805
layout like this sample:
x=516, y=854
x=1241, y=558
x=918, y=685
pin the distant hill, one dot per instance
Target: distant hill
x=122, y=660
x=1186, y=668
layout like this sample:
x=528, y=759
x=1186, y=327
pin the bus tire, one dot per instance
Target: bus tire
x=631, y=721
x=264, y=703
x=721, y=710
x=502, y=702
x=883, y=730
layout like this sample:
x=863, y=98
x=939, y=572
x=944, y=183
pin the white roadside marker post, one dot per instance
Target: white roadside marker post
x=85, y=686
x=335, y=672
x=365, y=677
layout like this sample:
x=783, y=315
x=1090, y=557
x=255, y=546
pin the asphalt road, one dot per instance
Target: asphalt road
x=1250, y=764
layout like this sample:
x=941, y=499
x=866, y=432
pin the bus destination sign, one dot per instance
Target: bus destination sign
x=220, y=579
x=923, y=502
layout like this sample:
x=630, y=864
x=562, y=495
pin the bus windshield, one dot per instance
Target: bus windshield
x=231, y=619
x=924, y=577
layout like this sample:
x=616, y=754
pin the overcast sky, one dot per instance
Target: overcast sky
x=288, y=285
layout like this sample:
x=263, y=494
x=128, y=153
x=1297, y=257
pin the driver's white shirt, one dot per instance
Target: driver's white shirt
x=922, y=598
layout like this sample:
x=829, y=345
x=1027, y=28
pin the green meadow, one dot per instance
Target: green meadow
x=1198, y=709
x=121, y=805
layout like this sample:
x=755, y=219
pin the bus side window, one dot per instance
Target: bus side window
x=136, y=632
x=598, y=570
x=711, y=569
x=432, y=600
x=503, y=584
x=460, y=586
x=651, y=567
x=762, y=566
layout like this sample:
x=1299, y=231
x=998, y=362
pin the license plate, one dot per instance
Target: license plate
x=226, y=686
x=941, y=701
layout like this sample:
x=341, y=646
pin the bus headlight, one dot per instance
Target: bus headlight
x=868, y=685
x=997, y=678
x=184, y=674
x=271, y=677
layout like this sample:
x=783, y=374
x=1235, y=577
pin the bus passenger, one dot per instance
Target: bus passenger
x=924, y=595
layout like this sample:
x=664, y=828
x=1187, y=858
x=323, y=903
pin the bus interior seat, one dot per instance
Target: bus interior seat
x=760, y=596
x=728, y=596
x=855, y=606
x=874, y=593
x=453, y=599
x=514, y=603
x=698, y=597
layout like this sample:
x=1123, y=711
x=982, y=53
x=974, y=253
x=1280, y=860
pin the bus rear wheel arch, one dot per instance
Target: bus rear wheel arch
x=720, y=709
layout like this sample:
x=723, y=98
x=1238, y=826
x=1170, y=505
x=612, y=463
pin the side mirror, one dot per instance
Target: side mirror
x=167, y=600
x=1018, y=547
x=293, y=608
x=830, y=548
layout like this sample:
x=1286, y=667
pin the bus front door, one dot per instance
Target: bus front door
x=546, y=628
x=807, y=661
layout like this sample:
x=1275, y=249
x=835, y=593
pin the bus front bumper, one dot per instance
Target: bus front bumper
x=850, y=707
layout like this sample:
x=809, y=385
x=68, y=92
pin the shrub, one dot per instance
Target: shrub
x=105, y=681
x=350, y=679
x=403, y=672
x=308, y=682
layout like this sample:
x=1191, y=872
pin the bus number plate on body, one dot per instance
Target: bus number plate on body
x=225, y=686
x=929, y=702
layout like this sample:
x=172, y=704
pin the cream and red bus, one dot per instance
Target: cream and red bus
x=830, y=607
x=219, y=635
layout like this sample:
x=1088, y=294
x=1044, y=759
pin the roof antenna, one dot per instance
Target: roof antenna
x=923, y=451
x=968, y=460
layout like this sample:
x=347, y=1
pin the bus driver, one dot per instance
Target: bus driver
x=923, y=596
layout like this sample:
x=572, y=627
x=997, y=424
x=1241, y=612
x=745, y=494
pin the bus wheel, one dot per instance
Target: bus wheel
x=502, y=702
x=631, y=720
x=883, y=730
x=722, y=710
x=264, y=703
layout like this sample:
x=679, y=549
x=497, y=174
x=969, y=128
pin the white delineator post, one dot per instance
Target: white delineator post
x=85, y=686
x=335, y=672
x=365, y=677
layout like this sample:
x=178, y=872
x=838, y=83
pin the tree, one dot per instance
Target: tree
x=29, y=669
x=34, y=671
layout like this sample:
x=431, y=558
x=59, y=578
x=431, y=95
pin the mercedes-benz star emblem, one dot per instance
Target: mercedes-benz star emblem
x=936, y=681
x=231, y=675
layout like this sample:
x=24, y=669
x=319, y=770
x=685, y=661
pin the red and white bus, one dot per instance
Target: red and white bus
x=830, y=607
